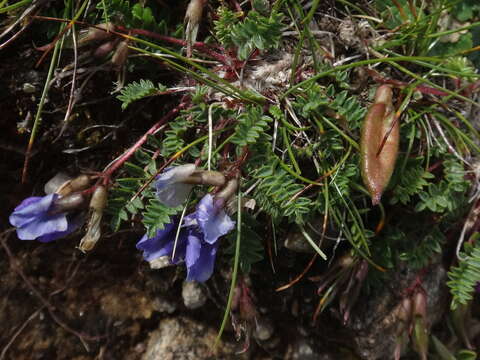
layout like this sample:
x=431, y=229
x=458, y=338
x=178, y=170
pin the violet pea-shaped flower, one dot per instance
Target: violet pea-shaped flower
x=36, y=218
x=206, y=225
x=161, y=245
x=197, y=241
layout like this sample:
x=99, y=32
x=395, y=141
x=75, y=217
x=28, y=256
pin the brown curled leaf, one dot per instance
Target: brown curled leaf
x=377, y=167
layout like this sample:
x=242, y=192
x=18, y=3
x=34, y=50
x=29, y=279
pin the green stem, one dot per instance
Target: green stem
x=357, y=64
x=286, y=140
x=452, y=31
x=236, y=261
x=13, y=6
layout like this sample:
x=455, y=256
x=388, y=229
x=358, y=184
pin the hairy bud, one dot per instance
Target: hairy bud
x=97, y=204
x=213, y=178
x=120, y=55
x=420, y=325
x=68, y=203
x=193, y=17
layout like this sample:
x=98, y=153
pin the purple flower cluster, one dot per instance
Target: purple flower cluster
x=197, y=240
x=36, y=219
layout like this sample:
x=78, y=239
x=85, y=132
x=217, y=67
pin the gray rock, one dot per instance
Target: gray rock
x=181, y=338
x=193, y=295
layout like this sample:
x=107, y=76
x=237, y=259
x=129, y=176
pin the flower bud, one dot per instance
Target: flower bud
x=404, y=310
x=97, y=204
x=420, y=326
x=420, y=304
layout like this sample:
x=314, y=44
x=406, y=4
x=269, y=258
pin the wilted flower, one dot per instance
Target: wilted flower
x=40, y=218
x=197, y=241
x=170, y=187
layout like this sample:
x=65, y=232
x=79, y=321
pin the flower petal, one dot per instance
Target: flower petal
x=170, y=189
x=43, y=225
x=202, y=269
x=194, y=246
x=72, y=226
x=174, y=194
x=31, y=208
x=213, y=220
x=162, y=244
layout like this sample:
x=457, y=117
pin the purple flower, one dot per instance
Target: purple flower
x=197, y=241
x=170, y=187
x=35, y=219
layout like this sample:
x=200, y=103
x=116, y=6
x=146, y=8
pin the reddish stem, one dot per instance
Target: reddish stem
x=122, y=159
x=198, y=45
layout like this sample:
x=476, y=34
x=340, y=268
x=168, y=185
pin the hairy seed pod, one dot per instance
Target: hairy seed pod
x=377, y=168
x=97, y=204
x=120, y=55
x=98, y=33
x=193, y=17
x=104, y=49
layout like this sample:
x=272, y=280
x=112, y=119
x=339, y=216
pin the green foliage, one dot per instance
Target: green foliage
x=157, y=215
x=392, y=15
x=138, y=90
x=276, y=193
x=410, y=183
x=461, y=65
x=465, y=276
x=226, y=18
x=465, y=10
x=447, y=48
x=251, y=125
x=122, y=208
x=419, y=255
x=449, y=193
x=318, y=100
x=175, y=136
x=251, y=247
x=256, y=31
x=133, y=16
